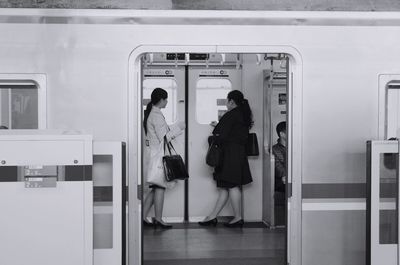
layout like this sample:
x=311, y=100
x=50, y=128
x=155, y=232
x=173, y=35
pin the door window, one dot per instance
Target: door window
x=211, y=94
x=168, y=84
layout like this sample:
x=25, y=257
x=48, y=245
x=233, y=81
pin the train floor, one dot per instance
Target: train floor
x=191, y=244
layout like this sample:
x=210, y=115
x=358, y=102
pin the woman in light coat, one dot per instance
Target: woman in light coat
x=156, y=130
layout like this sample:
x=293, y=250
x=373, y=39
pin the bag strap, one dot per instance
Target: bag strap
x=166, y=143
x=170, y=144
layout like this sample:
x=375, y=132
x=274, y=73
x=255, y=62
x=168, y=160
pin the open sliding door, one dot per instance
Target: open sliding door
x=208, y=90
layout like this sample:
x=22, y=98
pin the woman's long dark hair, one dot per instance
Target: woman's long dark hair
x=156, y=96
x=243, y=104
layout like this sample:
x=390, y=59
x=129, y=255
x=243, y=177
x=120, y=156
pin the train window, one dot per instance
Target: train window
x=170, y=85
x=19, y=105
x=211, y=96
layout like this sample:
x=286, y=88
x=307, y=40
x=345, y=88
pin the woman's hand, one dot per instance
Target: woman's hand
x=181, y=125
x=213, y=123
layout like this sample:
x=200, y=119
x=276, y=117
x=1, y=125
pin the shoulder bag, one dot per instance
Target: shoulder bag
x=252, y=145
x=214, y=153
x=174, y=167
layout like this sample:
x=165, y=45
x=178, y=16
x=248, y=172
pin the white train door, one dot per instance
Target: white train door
x=172, y=79
x=208, y=89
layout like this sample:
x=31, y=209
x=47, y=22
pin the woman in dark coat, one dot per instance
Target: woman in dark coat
x=231, y=134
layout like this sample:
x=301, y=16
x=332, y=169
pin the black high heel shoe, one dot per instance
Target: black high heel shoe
x=157, y=223
x=239, y=223
x=147, y=223
x=213, y=222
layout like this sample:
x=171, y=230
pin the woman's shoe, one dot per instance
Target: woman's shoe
x=239, y=223
x=162, y=225
x=213, y=222
x=147, y=223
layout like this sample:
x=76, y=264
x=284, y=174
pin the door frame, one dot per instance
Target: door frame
x=134, y=155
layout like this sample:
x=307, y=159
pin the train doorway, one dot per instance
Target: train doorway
x=197, y=85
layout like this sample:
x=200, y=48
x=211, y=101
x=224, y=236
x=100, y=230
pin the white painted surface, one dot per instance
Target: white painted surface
x=46, y=225
x=44, y=147
x=112, y=255
x=343, y=205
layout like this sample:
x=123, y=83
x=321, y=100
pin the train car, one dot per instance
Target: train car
x=79, y=80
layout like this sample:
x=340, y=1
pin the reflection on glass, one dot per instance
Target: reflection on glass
x=211, y=96
x=168, y=84
x=392, y=112
x=388, y=193
x=19, y=108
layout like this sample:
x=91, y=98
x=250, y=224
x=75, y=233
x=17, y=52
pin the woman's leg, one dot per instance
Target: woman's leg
x=236, y=200
x=148, y=202
x=159, y=203
x=219, y=205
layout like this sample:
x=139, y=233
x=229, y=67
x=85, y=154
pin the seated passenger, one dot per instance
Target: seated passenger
x=279, y=151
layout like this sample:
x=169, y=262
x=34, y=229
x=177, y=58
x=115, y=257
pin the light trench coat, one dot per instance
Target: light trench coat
x=157, y=128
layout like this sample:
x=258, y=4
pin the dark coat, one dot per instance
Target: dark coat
x=279, y=152
x=232, y=136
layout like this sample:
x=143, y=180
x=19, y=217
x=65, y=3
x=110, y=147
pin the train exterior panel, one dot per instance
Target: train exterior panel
x=91, y=63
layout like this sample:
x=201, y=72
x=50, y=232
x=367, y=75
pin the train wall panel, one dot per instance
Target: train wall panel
x=333, y=237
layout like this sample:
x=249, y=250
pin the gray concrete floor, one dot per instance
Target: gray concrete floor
x=251, y=245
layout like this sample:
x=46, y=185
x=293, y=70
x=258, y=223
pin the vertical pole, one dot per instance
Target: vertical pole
x=186, y=199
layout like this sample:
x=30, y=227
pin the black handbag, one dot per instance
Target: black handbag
x=252, y=145
x=174, y=167
x=214, y=153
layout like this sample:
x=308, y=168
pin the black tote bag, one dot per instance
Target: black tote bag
x=252, y=145
x=174, y=167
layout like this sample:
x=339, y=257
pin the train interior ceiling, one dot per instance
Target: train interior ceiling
x=197, y=86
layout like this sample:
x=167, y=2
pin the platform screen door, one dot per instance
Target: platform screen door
x=382, y=202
